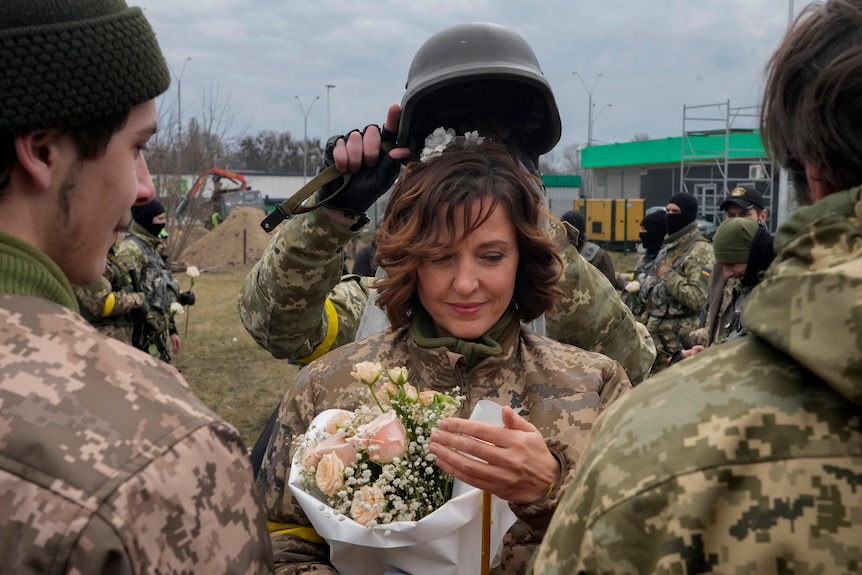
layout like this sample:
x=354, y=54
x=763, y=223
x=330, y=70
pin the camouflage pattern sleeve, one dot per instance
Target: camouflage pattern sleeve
x=727, y=463
x=130, y=253
x=100, y=301
x=110, y=464
x=689, y=285
x=294, y=302
x=592, y=316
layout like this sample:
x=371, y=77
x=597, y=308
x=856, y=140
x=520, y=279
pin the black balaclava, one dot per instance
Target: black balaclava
x=576, y=219
x=144, y=215
x=652, y=238
x=688, y=207
x=759, y=258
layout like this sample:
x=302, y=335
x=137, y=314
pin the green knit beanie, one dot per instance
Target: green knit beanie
x=66, y=63
x=732, y=241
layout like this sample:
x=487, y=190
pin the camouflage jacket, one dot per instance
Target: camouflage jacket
x=141, y=249
x=683, y=289
x=296, y=303
x=723, y=317
x=108, y=462
x=644, y=274
x=561, y=389
x=746, y=458
x=108, y=303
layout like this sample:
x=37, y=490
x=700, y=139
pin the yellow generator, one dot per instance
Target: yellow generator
x=612, y=223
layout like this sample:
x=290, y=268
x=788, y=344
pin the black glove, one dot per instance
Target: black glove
x=365, y=186
x=187, y=298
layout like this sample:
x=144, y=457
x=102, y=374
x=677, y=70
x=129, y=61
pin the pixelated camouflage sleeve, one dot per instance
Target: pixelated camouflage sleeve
x=592, y=316
x=99, y=299
x=293, y=302
x=689, y=284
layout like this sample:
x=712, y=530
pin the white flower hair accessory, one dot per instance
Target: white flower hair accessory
x=442, y=138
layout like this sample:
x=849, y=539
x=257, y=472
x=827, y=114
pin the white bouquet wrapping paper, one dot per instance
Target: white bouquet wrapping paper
x=446, y=542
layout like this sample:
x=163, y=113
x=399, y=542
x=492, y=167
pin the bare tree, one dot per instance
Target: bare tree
x=640, y=137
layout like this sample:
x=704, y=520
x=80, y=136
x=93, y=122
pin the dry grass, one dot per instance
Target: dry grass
x=227, y=370
x=237, y=378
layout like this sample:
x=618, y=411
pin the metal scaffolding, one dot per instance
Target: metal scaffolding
x=713, y=162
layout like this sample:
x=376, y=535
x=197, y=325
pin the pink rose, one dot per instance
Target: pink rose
x=330, y=474
x=367, y=504
x=337, y=445
x=384, y=438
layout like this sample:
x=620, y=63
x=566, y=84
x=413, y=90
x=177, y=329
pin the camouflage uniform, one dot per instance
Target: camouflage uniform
x=110, y=302
x=108, y=462
x=678, y=299
x=561, y=389
x=644, y=274
x=723, y=313
x=296, y=303
x=141, y=249
x=746, y=458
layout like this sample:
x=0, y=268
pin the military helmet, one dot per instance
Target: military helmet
x=483, y=69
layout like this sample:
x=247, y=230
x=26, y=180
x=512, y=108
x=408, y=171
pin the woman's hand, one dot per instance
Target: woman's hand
x=513, y=461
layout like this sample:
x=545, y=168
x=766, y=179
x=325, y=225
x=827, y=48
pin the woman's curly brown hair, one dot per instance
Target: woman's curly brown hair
x=456, y=179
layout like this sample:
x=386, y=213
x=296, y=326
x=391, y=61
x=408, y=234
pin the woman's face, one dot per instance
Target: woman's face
x=468, y=290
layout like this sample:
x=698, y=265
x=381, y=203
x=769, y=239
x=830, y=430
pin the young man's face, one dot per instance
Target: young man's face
x=97, y=195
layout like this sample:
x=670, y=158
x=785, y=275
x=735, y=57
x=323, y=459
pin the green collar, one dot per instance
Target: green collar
x=424, y=333
x=24, y=270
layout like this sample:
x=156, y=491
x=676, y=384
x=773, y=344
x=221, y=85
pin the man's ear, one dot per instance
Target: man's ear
x=38, y=154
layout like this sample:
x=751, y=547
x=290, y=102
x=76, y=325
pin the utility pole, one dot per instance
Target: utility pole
x=179, y=153
x=589, y=92
x=328, y=88
x=305, y=134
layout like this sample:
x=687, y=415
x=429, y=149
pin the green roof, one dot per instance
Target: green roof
x=561, y=181
x=670, y=150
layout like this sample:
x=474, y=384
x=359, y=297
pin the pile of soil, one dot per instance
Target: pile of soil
x=223, y=246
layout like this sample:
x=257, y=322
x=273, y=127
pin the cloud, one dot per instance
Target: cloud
x=654, y=56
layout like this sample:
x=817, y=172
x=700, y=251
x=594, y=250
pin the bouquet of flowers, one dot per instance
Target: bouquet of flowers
x=367, y=480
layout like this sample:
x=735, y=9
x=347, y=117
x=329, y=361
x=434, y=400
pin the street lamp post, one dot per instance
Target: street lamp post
x=589, y=92
x=179, y=155
x=305, y=134
x=328, y=88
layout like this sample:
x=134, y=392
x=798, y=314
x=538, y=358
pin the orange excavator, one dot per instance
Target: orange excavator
x=215, y=193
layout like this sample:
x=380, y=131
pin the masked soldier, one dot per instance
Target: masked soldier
x=683, y=268
x=142, y=248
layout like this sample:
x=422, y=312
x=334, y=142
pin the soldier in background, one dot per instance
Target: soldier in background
x=746, y=458
x=743, y=251
x=636, y=292
x=741, y=202
x=143, y=249
x=591, y=252
x=111, y=304
x=683, y=268
x=109, y=464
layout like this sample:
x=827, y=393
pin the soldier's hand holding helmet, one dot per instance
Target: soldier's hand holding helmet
x=372, y=170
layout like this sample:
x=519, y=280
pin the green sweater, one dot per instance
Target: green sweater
x=24, y=270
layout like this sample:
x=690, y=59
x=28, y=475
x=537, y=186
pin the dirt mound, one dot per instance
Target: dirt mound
x=225, y=246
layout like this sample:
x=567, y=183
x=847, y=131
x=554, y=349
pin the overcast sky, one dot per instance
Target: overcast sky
x=654, y=57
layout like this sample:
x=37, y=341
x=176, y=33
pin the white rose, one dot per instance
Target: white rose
x=367, y=372
x=177, y=308
x=192, y=272
x=330, y=474
x=367, y=504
